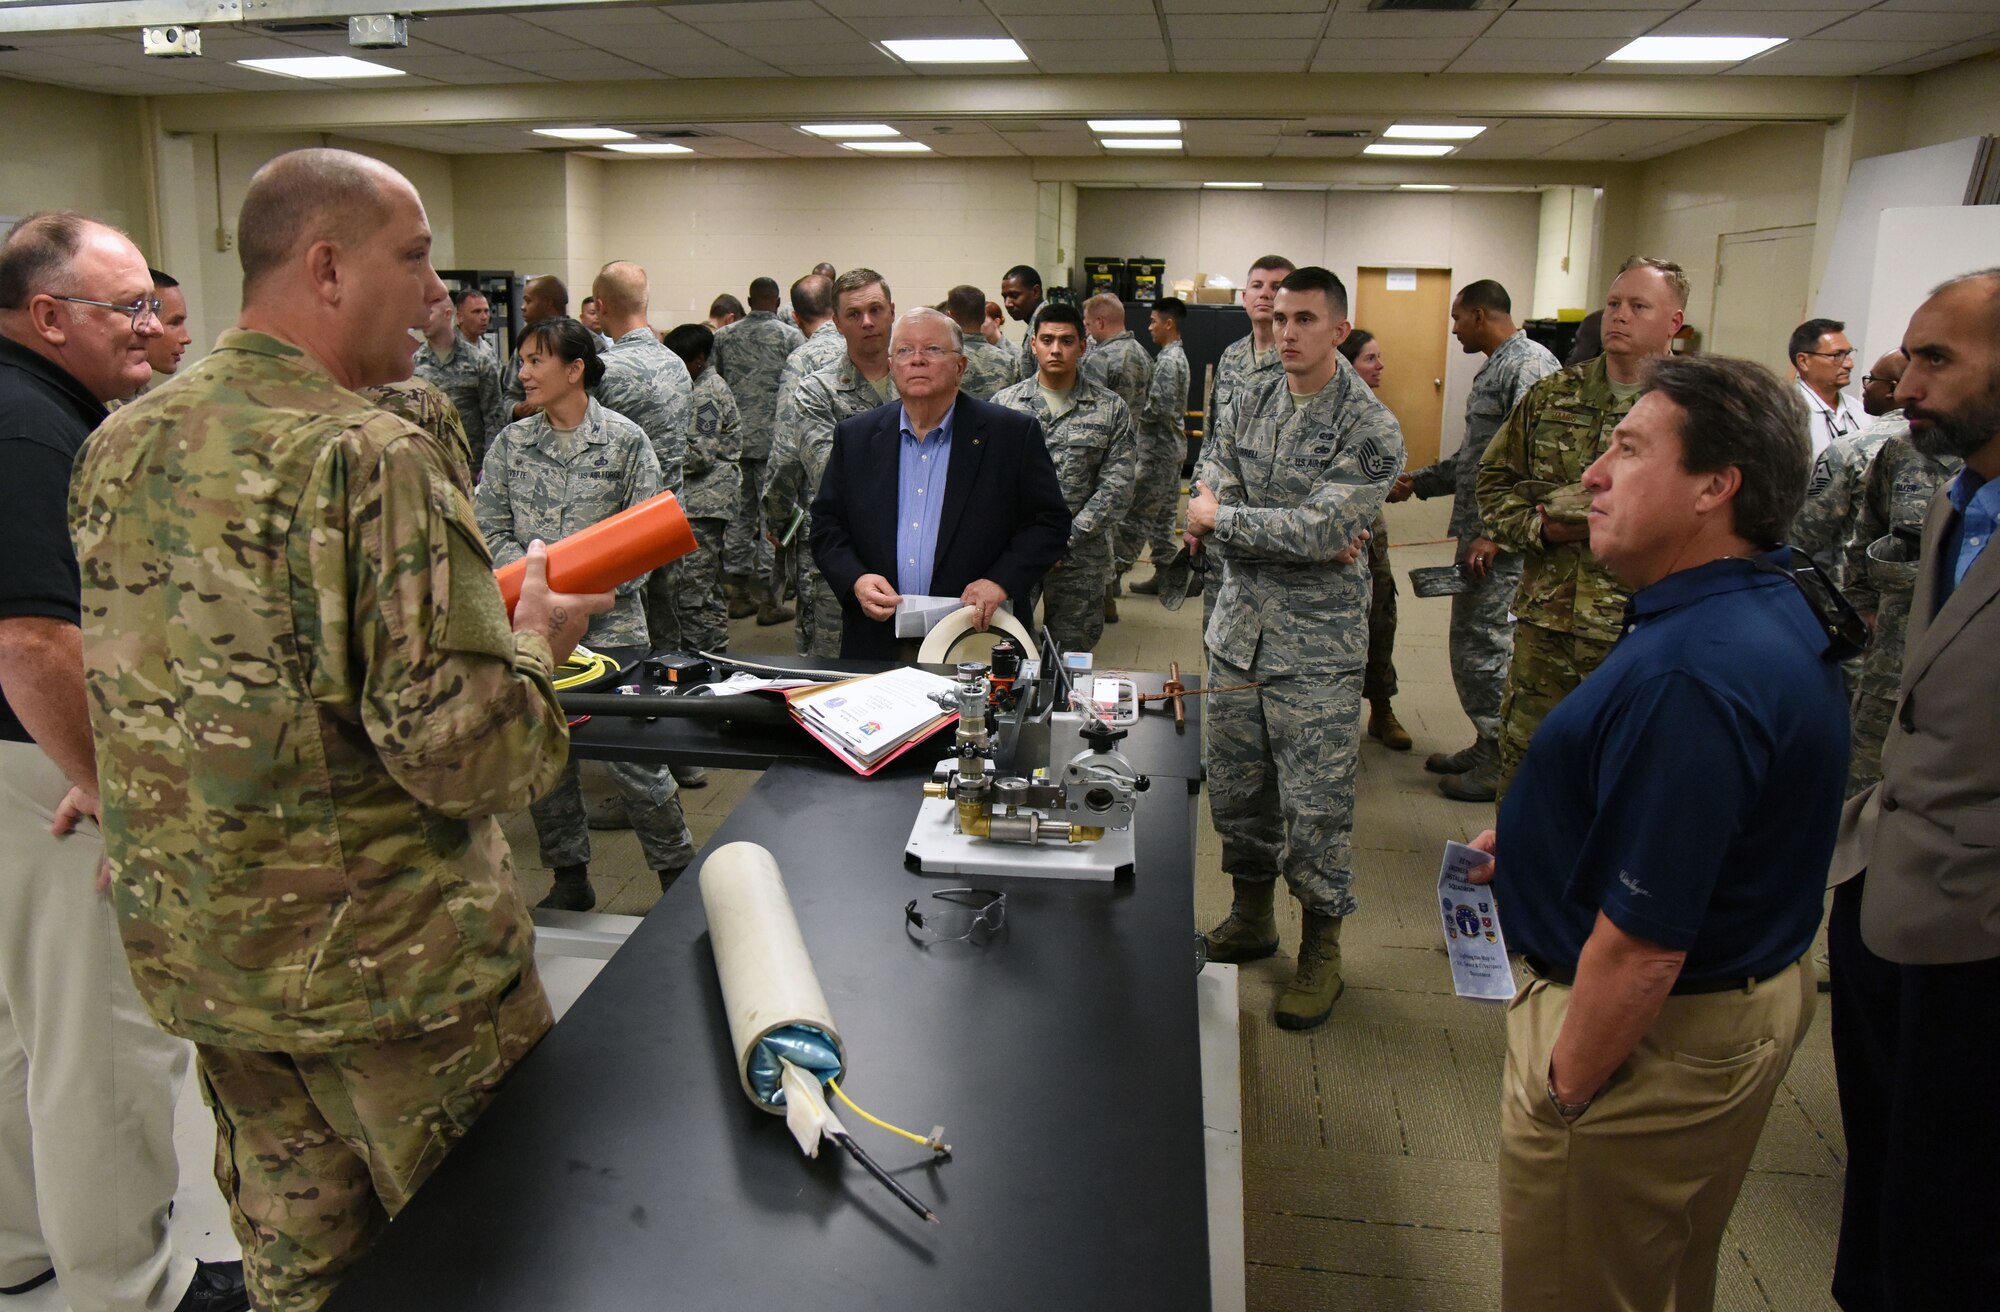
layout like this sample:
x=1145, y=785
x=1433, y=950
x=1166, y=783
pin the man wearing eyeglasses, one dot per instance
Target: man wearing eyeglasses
x=1823, y=358
x=1833, y=492
x=934, y=494
x=87, y=1082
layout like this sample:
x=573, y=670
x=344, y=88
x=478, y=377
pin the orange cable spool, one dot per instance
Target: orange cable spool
x=610, y=552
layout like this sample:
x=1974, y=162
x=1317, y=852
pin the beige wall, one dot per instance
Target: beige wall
x=1474, y=234
x=925, y=225
x=1564, y=249
x=1765, y=177
x=72, y=150
x=1960, y=101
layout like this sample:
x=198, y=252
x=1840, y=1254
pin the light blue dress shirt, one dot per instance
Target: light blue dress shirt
x=923, y=460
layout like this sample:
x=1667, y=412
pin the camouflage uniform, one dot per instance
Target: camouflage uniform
x=750, y=356
x=1570, y=609
x=649, y=385
x=1296, y=486
x=1833, y=495
x=1378, y=675
x=824, y=349
x=1096, y=453
x=712, y=499
x=1482, y=636
x=471, y=378
x=310, y=712
x=541, y=483
x=1122, y=365
x=1162, y=448
x=1027, y=366
x=431, y=410
x=1881, y=575
x=799, y=454
x=988, y=368
x=1240, y=364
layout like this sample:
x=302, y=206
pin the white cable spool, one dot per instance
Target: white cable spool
x=938, y=642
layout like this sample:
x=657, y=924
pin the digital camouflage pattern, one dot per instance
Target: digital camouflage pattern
x=1881, y=572
x=1833, y=494
x=649, y=385
x=1096, y=454
x=471, y=378
x=304, y=1201
x=798, y=463
x=749, y=550
x=714, y=491
x=309, y=707
x=1481, y=637
x=988, y=368
x=1162, y=450
x=750, y=355
x=431, y=410
x=1121, y=365
x=1296, y=486
x=1240, y=363
x=824, y=349
x=652, y=803
x=1556, y=431
x=543, y=483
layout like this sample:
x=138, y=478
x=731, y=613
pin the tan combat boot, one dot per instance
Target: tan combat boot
x=1481, y=783
x=736, y=589
x=1383, y=725
x=1309, y=998
x=1251, y=931
x=770, y=610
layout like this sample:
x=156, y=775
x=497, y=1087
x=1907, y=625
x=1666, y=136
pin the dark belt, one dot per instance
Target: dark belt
x=1566, y=976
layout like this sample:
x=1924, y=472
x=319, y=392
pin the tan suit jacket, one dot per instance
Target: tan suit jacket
x=1929, y=833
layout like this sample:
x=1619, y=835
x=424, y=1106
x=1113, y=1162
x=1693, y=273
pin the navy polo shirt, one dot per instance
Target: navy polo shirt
x=1690, y=788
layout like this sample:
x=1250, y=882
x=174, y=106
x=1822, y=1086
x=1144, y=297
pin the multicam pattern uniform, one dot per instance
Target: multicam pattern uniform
x=649, y=385
x=1162, y=449
x=798, y=462
x=1096, y=453
x=471, y=378
x=712, y=499
x=1482, y=637
x=1881, y=574
x=1569, y=606
x=310, y=711
x=431, y=410
x=1833, y=494
x=541, y=483
x=988, y=368
x=750, y=356
x=1296, y=486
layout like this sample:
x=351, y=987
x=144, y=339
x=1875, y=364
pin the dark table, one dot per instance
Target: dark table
x=622, y=1167
x=1153, y=745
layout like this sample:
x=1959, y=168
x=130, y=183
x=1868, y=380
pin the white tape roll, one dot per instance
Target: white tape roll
x=768, y=982
x=938, y=642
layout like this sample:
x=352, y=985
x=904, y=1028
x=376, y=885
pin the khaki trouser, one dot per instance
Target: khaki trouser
x=87, y=1081
x=316, y=1151
x=1623, y=1211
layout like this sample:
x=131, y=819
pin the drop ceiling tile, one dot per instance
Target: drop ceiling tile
x=1411, y=26
x=1746, y=22
x=484, y=34
x=1084, y=27
x=1832, y=8
x=750, y=35
x=1290, y=27
x=905, y=26
x=813, y=67
x=571, y=65
x=1350, y=48
x=1944, y=58
x=1573, y=5
x=1315, y=148
x=594, y=23
x=1249, y=49
x=1224, y=7
x=1568, y=23
x=939, y=9
x=1119, y=63
x=1578, y=51
x=1932, y=6
x=1008, y=9
x=1472, y=64
x=767, y=11
x=44, y=65
x=626, y=38
x=1322, y=64
x=1939, y=29
x=1834, y=58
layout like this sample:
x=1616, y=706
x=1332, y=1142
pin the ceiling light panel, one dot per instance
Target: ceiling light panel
x=1234, y=186
x=649, y=148
x=1425, y=186
x=1692, y=49
x=1407, y=149
x=1141, y=143
x=849, y=131
x=586, y=134
x=322, y=67
x=1144, y=126
x=957, y=50
x=1432, y=132
x=889, y=147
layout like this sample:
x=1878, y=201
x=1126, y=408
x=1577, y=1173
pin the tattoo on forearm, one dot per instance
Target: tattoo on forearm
x=559, y=617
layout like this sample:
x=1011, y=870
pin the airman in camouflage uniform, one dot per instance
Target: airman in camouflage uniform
x=1162, y=449
x=1881, y=576
x=1833, y=494
x=1481, y=635
x=988, y=368
x=310, y=713
x=1569, y=607
x=799, y=454
x=750, y=356
x=712, y=499
x=648, y=384
x=824, y=349
x=543, y=483
x=471, y=378
x=1240, y=364
x=1295, y=486
x=1096, y=453
x=543, y=298
x=1120, y=364
x=427, y=407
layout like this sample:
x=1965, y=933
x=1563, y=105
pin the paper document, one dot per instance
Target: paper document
x=868, y=718
x=917, y=616
x=1479, y=967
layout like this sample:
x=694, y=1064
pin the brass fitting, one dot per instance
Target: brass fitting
x=1085, y=833
x=936, y=788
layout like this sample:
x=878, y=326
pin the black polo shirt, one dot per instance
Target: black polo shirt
x=1690, y=788
x=45, y=415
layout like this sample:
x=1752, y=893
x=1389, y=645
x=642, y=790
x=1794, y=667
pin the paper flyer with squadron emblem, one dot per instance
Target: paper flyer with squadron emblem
x=1479, y=966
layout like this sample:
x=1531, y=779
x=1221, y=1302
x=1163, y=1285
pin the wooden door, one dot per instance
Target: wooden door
x=1761, y=283
x=1409, y=311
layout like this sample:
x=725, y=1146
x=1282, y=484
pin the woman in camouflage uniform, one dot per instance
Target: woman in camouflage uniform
x=552, y=474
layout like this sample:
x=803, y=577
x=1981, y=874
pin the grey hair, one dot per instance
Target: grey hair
x=925, y=314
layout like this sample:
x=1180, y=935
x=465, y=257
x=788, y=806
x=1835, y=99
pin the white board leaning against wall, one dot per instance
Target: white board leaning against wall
x=1915, y=250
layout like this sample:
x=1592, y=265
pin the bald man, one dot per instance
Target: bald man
x=311, y=711
x=545, y=297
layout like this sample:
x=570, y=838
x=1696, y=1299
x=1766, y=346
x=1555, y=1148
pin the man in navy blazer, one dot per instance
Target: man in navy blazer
x=933, y=495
